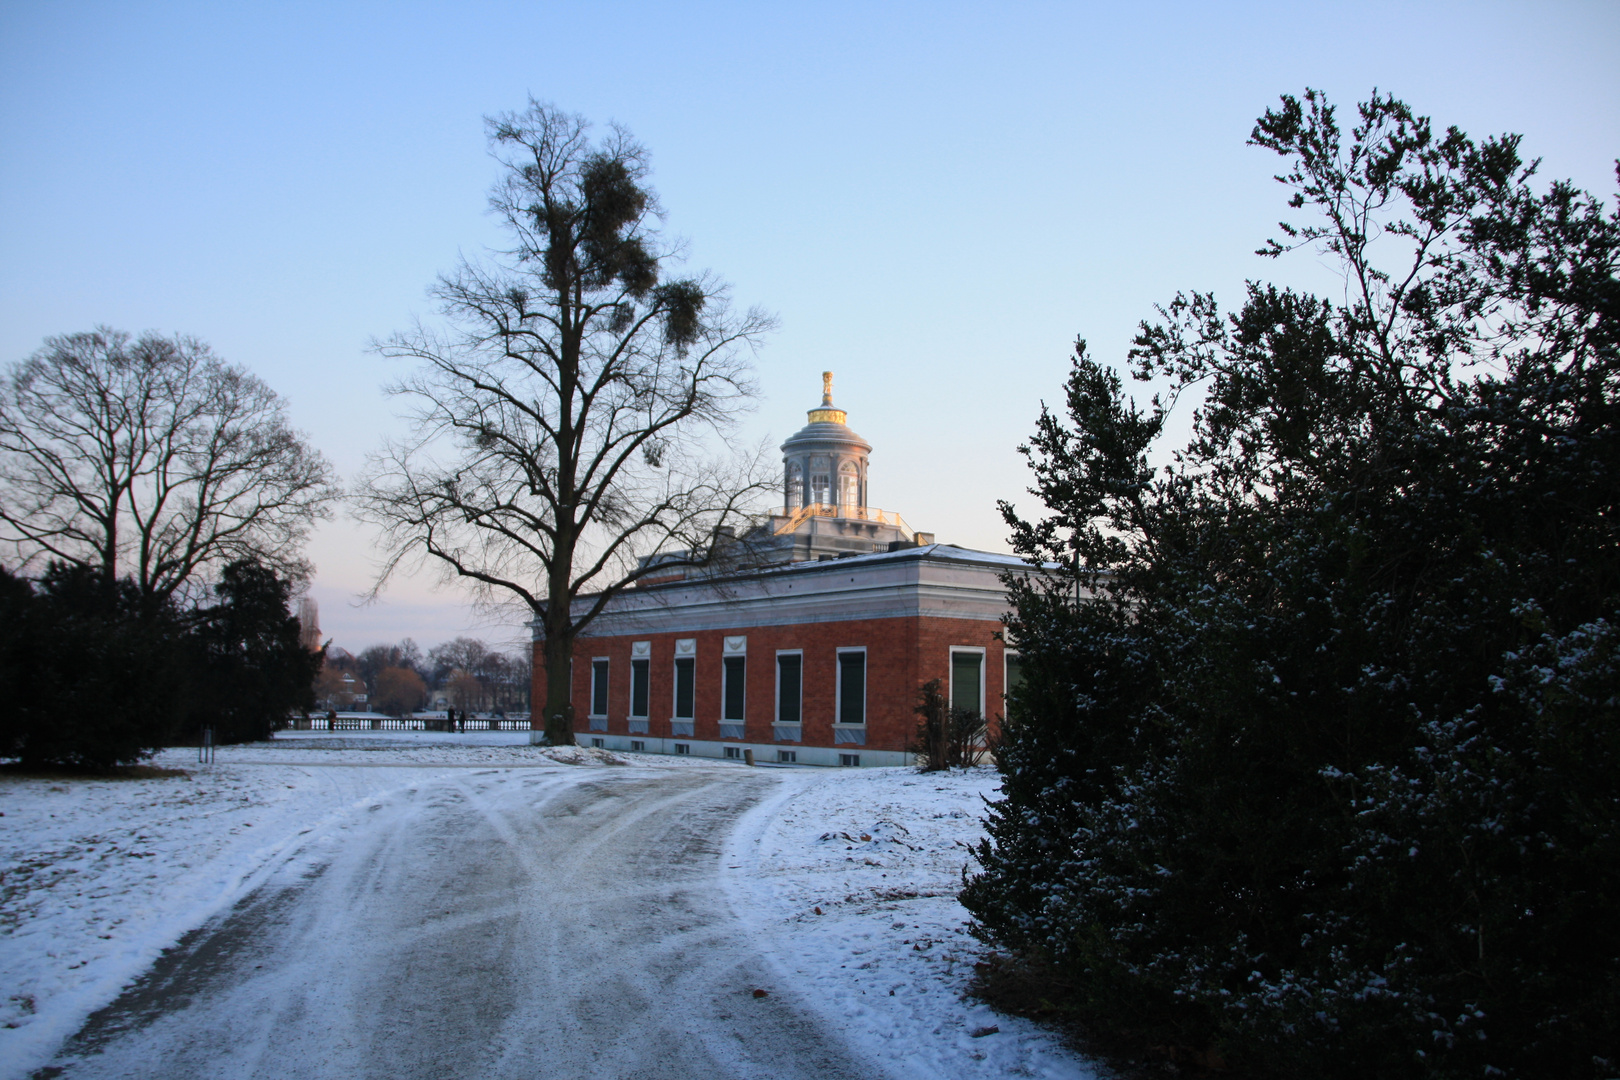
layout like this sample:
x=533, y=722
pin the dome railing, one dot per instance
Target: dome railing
x=787, y=519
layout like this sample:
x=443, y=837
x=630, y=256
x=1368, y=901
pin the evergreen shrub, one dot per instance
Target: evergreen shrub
x=100, y=676
x=1320, y=779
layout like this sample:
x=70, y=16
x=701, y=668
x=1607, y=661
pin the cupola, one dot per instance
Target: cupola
x=824, y=463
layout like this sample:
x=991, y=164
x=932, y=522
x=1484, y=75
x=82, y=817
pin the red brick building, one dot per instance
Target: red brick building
x=813, y=652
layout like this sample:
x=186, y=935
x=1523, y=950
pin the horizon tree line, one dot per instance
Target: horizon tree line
x=399, y=678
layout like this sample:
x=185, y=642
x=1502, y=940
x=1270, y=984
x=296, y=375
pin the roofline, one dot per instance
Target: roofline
x=934, y=552
x=943, y=552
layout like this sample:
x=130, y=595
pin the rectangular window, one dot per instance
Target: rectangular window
x=788, y=756
x=683, y=748
x=849, y=759
x=733, y=751
x=640, y=678
x=967, y=680
x=637, y=746
x=1015, y=673
x=852, y=687
x=733, y=679
x=685, y=687
x=597, y=743
x=599, y=687
x=789, y=685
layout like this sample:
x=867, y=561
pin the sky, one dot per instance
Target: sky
x=936, y=199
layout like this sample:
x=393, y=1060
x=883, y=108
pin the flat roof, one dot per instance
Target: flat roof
x=963, y=583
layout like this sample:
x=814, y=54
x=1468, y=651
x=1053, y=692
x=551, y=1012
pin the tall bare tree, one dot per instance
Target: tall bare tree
x=154, y=460
x=463, y=653
x=374, y=659
x=577, y=414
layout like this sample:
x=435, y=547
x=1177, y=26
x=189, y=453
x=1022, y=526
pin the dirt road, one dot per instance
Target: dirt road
x=519, y=923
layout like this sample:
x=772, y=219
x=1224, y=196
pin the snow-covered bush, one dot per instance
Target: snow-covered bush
x=1322, y=780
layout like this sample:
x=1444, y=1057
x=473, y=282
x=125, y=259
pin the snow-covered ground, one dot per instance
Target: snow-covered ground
x=97, y=877
x=849, y=879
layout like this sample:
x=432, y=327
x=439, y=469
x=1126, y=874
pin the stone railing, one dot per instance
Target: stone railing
x=796, y=516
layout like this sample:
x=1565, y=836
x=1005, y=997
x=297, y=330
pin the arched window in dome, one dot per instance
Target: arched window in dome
x=795, y=487
x=849, y=485
x=820, y=480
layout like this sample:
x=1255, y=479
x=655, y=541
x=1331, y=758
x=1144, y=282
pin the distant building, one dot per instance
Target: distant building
x=340, y=689
x=810, y=649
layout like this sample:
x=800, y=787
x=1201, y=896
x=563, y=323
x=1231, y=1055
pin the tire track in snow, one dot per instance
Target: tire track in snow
x=507, y=924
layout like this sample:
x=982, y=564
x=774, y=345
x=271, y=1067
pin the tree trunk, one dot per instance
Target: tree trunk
x=558, y=621
x=559, y=710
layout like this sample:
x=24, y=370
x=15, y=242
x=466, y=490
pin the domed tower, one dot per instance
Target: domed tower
x=825, y=512
x=824, y=465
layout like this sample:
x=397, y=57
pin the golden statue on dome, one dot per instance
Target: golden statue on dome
x=827, y=414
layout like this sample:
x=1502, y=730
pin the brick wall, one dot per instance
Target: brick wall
x=901, y=655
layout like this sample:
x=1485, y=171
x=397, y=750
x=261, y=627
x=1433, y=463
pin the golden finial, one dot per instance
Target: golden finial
x=827, y=414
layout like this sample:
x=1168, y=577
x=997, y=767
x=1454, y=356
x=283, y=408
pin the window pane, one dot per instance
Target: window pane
x=852, y=688
x=685, y=682
x=599, y=687
x=966, y=675
x=1015, y=672
x=640, y=675
x=735, y=675
x=788, y=672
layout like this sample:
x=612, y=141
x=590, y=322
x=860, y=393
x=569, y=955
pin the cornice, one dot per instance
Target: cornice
x=922, y=582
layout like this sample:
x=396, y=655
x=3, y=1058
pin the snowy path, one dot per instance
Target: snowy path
x=411, y=904
x=551, y=922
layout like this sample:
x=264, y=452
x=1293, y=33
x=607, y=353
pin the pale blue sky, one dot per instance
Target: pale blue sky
x=936, y=198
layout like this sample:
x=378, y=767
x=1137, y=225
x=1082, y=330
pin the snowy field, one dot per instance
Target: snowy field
x=844, y=880
x=849, y=880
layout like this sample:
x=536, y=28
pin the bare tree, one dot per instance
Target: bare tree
x=466, y=690
x=152, y=460
x=501, y=678
x=374, y=659
x=577, y=415
x=400, y=691
x=462, y=653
